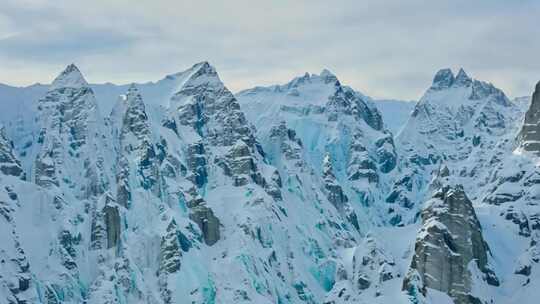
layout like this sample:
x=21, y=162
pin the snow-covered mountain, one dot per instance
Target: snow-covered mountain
x=178, y=191
x=460, y=144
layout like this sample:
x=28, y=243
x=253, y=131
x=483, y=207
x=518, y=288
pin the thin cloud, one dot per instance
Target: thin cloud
x=387, y=48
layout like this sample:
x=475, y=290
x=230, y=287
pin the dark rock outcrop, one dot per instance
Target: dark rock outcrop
x=450, y=239
x=443, y=79
x=112, y=224
x=196, y=163
x=106, y=224
x=204, y=217
x=241, y=165
x=9, y=164
x=335, y=194
x=137, y=160
x=170, y=259
x=206, y=105
x=529, y=137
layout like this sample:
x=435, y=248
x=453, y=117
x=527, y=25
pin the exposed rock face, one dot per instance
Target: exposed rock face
x=335, y=194
x=448, y=245
x=106, y=225
x=123, y=188
x=196, y=162
x=112, y=222
x=443, y=79
x=169, y=259
x=136, y=141
x=206, y=220
x=361, y=165
x=530, y=257
x=206, y=105
x=462, y=79
x=138, y=157
x=170, y=254
x=241, y=166
x=289, y=144
x=372, y=266
x=15, y=272
x=346, y=101
x=529, y=137
x=72, y=141
x=9, y=164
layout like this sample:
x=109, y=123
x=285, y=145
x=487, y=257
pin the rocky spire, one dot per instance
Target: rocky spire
x=9, y=164
x=106, y=225
x=462, y=79
x=334, y=190
x=450, y=239
x=137, y=147
x=529, y=137
x=205, y=104
x=72, y=140
x=443, y=79
x=135, y=121
x=335, y=193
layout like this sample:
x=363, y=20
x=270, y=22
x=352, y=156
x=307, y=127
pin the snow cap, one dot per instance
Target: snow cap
x=71, y=77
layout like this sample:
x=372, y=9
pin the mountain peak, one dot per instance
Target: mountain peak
x=197, y=69
x=462, y=79
x=71, y=77
x=326, y=72
x=133, y=97
x=443, y=79
x=204, y=67
x=201, y=72
x=132, y=90
x=328, y=76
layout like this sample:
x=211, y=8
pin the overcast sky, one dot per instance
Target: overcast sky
x=383, y=48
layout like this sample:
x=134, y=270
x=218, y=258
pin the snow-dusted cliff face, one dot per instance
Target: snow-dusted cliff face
x=460, y=121
x=333, y=122
x=178, y=191
x=463, y=132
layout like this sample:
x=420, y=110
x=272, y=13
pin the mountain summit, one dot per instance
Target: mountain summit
x=71, y=77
